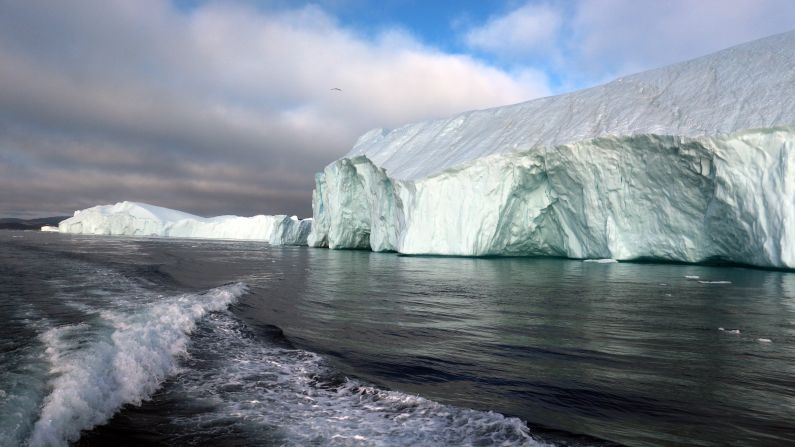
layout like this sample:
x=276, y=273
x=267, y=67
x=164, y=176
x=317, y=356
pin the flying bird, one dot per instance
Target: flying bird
x=337, y=89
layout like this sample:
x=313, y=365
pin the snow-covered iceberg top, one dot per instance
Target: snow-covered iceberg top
x=684, y=163
x=749, y=86
x=141, y=219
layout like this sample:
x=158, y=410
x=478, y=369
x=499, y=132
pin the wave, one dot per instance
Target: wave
x=279, y=395
x=245, y=380
x=98, y=368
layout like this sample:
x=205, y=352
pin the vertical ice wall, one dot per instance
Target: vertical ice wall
x=647, y=196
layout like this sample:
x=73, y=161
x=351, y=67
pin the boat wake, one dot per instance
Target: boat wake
x=279, y=395
x=122, y=358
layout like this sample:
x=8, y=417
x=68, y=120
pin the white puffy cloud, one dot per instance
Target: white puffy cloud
x=622, y=36
x=297, y=57
x=584, y=42
x=525, y=31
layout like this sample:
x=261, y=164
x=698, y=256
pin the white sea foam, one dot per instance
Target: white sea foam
x=98, y=368
x=291, y=397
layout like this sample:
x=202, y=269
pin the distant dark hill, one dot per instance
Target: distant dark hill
x=11, y=223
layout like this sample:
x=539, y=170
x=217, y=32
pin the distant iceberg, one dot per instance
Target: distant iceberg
x=141, y=219
x=683, y=163
x=50, y=229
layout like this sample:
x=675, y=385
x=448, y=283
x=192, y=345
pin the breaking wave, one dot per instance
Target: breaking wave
x=122, y=359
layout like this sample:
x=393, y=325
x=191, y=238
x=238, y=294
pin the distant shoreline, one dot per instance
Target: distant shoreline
x=11, y=223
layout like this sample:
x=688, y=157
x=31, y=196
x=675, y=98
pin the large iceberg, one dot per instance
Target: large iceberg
x=141, y=219
x=684, y=163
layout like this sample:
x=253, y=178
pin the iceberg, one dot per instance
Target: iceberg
x=49, y=229
x=689, y=162
x=141, y=219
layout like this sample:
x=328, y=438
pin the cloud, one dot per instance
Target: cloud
x=622, y=36
x=585, y=42
x=226, y=107
x=221, y=109
x=525, y=31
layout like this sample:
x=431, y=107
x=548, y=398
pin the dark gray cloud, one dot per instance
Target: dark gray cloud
x=221, y=110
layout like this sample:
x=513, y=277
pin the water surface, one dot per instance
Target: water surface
x=241, y=343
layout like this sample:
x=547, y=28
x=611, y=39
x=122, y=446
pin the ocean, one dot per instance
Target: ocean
x=164, y=342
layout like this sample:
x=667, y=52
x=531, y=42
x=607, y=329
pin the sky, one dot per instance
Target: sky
x=228, y=107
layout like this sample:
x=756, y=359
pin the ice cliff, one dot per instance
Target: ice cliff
x=140, y=219
x=684, y=163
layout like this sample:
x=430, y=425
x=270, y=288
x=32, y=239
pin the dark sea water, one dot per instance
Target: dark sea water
x=135, y=342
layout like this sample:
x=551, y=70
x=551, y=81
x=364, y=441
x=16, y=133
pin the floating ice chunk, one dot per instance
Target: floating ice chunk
x=601, y=261
x=141, y=219
x=733, y=331
x=721, y=329
x=50, y=228
x=764, y=340
x=692, y=276
x=715, y=282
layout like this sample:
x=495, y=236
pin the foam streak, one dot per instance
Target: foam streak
x=98, y=369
